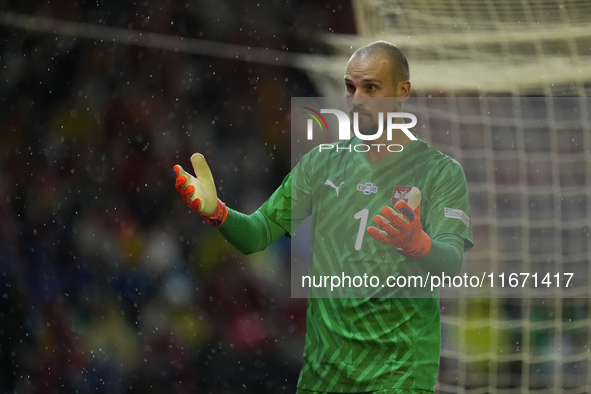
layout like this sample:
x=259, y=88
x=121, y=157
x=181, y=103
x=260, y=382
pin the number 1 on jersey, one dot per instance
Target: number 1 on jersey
x=363, y=215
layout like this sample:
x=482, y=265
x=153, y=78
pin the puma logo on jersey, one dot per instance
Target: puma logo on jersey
x=329, y=183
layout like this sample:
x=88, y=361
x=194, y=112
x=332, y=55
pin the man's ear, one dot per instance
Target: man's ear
x=403, y=91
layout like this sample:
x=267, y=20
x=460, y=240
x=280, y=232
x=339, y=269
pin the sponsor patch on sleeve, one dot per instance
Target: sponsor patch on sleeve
x=457, y=214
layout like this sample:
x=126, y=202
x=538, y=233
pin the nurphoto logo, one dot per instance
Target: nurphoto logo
x=345, y=129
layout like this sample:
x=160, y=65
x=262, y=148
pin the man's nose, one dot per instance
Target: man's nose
x=357, y=99
x=360, y=93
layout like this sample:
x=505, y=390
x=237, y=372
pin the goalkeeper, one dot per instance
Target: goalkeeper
x=418, y=200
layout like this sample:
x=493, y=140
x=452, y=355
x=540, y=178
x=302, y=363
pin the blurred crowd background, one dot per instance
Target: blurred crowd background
x=108, y=282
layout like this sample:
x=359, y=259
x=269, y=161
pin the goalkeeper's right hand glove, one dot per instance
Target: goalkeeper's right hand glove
x=402, y=227
x=199, y=191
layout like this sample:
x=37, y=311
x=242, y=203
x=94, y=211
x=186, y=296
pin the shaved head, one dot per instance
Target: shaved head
x=395, y=56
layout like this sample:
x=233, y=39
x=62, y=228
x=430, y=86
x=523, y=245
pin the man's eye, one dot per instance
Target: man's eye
x=371, y=87
x=350, y=87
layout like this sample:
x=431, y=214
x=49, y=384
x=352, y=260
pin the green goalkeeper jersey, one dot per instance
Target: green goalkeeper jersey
x=372, y=342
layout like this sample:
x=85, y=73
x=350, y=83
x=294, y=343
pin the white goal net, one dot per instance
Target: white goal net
x=528, y=165
x=493, y=46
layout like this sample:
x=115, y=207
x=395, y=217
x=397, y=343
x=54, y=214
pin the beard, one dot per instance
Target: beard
x=368, y=124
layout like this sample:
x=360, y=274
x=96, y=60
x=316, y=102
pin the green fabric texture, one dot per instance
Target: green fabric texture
x=255, y=232
x=250, y=233
x=446, y=255
x=366, y=339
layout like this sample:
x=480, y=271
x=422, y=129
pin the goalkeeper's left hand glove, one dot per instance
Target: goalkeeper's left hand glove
x=402, y=230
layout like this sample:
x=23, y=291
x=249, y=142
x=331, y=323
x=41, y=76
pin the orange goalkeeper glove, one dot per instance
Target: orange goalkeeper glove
x=199, y=191
x=403, y=230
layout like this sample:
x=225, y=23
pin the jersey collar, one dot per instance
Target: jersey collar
x=409, y=149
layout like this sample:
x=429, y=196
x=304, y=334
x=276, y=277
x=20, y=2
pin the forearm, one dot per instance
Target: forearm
x=250, y=233
x=446, y=255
